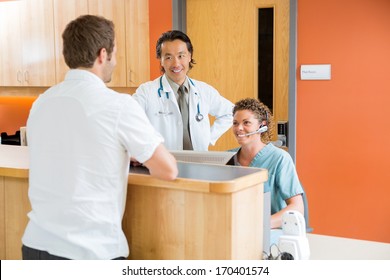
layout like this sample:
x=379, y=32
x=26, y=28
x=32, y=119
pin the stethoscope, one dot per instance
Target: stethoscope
x=198, y=116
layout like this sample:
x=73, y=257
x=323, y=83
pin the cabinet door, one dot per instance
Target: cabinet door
x=38, y=43
x=27, y=36
x=131, y=19
x=137, y=42
x=115, y=11
x=65, y=12
x=10, y=44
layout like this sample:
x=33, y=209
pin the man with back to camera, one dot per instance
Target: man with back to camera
x=81, y=137
x=178, y=106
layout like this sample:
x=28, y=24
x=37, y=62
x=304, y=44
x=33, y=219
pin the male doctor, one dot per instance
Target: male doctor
x=178, y=106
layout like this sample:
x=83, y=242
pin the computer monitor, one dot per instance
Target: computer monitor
x=210, y=157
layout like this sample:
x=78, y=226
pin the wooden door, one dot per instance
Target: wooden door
x=225, y=38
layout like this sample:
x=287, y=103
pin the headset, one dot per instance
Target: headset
x=262, y=128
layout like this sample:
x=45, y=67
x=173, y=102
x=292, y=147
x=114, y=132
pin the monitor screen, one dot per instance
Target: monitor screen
x=211, y=157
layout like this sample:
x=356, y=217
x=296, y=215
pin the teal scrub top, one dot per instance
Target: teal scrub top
x=283, y=180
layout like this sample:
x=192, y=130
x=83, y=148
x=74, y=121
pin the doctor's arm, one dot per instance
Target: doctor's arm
x=222, y=109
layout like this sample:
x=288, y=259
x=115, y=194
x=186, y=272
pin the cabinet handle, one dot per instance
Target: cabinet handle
x=19, y=77
x=130, y=79
x=26, y=76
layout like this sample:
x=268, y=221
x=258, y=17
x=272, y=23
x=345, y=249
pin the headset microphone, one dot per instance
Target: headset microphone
x=260, y=130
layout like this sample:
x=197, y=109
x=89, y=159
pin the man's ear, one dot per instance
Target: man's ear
x=102, y=56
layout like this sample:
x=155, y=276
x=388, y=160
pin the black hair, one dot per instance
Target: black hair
x=171, y=36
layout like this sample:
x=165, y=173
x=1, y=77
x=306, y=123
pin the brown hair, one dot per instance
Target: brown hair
x=84, y=38
x=261, y=112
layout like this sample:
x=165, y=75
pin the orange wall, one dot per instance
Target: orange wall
x=14, y=112
x=160, y=20
x=343, y=130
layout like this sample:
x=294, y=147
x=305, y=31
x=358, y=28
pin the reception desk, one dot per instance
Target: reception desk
x=208, y=212
x=13, y=199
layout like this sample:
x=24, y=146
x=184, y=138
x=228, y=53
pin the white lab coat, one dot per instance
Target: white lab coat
x=164, y=113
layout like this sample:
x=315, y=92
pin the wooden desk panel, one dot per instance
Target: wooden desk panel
x=17, y=205
x=2, y=219
x=208, y=212
x=165, y=223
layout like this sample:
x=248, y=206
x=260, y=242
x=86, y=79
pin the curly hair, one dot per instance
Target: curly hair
x=261, y=112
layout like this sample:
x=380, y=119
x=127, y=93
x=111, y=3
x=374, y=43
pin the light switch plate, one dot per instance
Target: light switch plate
x=316, y=72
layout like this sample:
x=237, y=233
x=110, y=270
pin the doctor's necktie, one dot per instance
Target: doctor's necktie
x=187, y=145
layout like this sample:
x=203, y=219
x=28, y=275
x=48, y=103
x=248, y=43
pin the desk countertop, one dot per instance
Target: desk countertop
x=14, y=162
x=323, y=247
x=204, y=178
